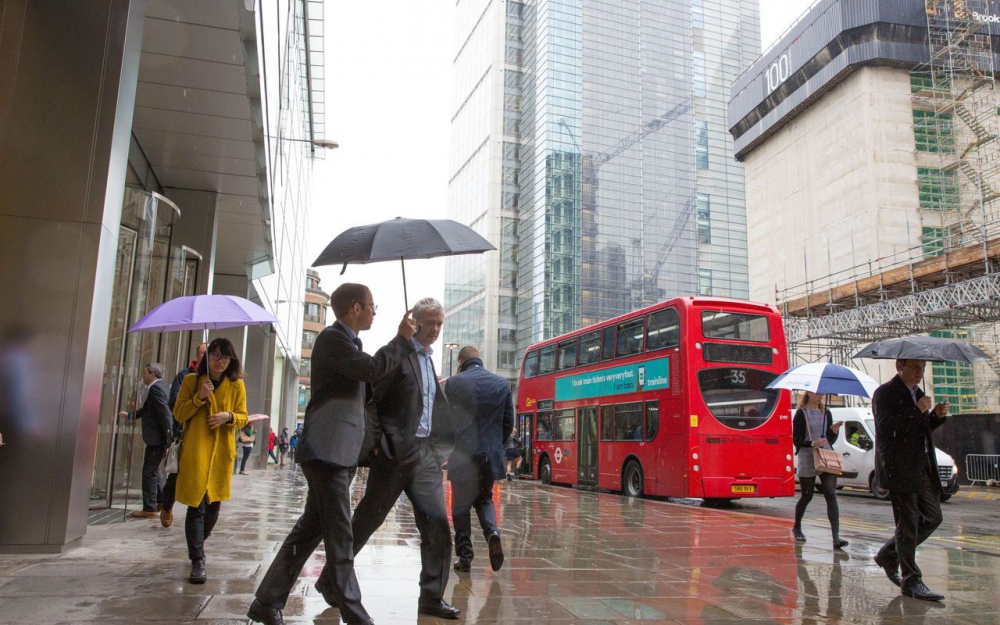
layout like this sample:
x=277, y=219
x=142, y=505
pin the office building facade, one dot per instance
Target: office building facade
x=590, y=145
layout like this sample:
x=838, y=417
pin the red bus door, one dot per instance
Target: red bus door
x=525, y=430
x=586, y=460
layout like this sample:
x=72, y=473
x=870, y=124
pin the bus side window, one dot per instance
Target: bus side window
x=544, y=430
x=547, y=360
x=607, y=423
x=608, y=344
x=567, y=354
x=590, y=348
x=630, y=338
x=628, y=422
x=663, y=330
x=565, y=426
x=652, y=419
x=531, y=364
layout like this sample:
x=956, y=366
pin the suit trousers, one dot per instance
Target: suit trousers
x=327, y=517
x=917, y=514
x=420, y=477
x=151, y=484
x=466, y=494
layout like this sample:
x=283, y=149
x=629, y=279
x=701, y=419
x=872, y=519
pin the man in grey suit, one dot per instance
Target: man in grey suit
x=328, y=452
x=157, y=421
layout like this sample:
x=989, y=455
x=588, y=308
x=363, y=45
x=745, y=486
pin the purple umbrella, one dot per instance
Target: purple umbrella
x=203, y=312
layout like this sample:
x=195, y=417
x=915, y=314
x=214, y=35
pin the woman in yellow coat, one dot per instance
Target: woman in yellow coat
x=212, y=405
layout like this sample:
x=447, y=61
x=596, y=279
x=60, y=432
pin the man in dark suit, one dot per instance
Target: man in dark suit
x=328, y=452
x=416, y=439
x=483, y=415
x=905, y=463
x=157, y=421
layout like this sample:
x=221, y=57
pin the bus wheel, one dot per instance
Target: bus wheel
x=876, y=488
x=545, y=471
x=632, y=479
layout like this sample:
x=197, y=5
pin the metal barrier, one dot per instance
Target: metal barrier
x=982, y=467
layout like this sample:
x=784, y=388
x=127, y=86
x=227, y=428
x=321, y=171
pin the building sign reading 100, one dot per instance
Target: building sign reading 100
x=778, y=72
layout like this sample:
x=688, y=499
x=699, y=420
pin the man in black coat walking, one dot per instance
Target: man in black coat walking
x=483, y=415
x=905, y=464
x=328, y=452
x=157, y=424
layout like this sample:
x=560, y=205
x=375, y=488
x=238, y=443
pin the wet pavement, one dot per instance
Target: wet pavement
x=572, y=557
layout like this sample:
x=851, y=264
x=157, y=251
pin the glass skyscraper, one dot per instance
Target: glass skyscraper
x=590, y=145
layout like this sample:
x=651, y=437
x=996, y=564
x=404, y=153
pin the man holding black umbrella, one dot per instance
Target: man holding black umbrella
x=905, y=464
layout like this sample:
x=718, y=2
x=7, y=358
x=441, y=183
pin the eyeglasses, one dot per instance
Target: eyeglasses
x=218, y=357
x=374, y=307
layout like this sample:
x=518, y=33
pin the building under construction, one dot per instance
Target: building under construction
x=871, y=141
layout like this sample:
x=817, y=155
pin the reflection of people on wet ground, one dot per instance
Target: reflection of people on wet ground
x=813, y=427
x=810, y=594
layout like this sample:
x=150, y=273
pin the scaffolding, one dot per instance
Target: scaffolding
x=948, y=282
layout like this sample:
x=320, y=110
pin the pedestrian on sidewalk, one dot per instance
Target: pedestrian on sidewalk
x=512, y=454
x=483, y=416
x=906, y=464
x=157, y=427
x=169, y=493
x=328, y=450
x=212, y=405
x=246, y=439
x=812, y=427
x=282, y=447
x=271, y=440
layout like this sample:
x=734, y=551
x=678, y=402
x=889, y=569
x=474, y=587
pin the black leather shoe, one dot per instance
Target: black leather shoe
x=462, y=566
x=438, y=608
x=496, y=551
x=891, y=569
x=799, y=536
x=840, y=543
x=367, y=621
x=920, y=591
x=260, y=613
x=327, y=592
x=198, y=573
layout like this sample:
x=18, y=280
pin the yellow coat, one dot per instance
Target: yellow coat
x=207, y=456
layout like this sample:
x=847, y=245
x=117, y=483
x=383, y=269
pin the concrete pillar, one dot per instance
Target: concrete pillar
x=68, y=75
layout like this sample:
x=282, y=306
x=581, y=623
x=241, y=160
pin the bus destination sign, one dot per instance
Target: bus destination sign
x=641, y=376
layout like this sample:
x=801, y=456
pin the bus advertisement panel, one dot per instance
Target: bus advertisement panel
x=669, y=400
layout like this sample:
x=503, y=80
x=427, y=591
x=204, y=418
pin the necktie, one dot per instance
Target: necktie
x=357, y=342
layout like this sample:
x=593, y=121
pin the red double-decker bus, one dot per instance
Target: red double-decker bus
x=669, y=400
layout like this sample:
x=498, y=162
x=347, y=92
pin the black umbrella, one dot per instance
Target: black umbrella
x=401, y=239
x=924, y=348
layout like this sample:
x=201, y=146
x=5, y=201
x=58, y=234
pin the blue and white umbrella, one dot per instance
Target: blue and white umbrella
x=826, y=378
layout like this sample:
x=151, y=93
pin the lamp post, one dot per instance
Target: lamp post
x=451, y=354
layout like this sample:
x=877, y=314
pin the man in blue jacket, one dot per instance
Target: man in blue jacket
x=483, y=418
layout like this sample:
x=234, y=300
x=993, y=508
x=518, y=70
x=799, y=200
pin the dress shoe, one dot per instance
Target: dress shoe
x=159, y=507
x=260, y=613
x=891, y=569
x=143, y=514
x=198, y=573
x=920, y=591
x=496, y=551
x=166, y=518
x=839, y=543
x=463, y=566
x=367, y=621
x=799, y=536
x=327, y=592
x=438, y=608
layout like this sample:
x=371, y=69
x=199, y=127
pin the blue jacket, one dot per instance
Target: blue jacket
x=482, y=414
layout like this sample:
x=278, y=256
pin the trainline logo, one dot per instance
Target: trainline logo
x=986, y=19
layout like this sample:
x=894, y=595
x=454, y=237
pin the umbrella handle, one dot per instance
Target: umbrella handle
x=343, y=269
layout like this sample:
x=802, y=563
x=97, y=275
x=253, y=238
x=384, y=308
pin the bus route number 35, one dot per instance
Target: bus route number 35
x=738, y=377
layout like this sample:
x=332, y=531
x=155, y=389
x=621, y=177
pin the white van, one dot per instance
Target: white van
x=856, y=446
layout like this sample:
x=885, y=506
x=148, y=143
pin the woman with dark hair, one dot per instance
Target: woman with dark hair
x=212, y=406
x=812, y=426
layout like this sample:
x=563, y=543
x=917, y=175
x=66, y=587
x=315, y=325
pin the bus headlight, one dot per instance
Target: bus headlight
x=788, y=457
x=696, y=468
x=788, y=469
x=694, y=455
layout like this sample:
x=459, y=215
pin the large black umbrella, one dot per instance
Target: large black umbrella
x=400, y=239
x=924, y=348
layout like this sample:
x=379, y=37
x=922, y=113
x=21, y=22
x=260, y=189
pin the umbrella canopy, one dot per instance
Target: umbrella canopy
x=400, y=239
x=203, y=312
x=826, y=378
x=924, y=348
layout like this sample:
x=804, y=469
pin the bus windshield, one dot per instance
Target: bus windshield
x=736, y=395
x=716, y=324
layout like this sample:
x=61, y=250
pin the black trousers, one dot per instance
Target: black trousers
x=151, y=484
x=246, y=455
x=168, y=494
x=327, y=517
x=420, y=478
x=808, y=485
x=466, y=494
x=198, y=526
x=917, y=514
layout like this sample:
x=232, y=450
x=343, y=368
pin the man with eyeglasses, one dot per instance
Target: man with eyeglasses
x=156, y=433
x=328, y=449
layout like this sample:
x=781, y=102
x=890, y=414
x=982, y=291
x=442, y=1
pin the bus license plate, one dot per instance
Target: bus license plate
x=744, y=488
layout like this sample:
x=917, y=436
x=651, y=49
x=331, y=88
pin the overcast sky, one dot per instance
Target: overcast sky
x=389, y=104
